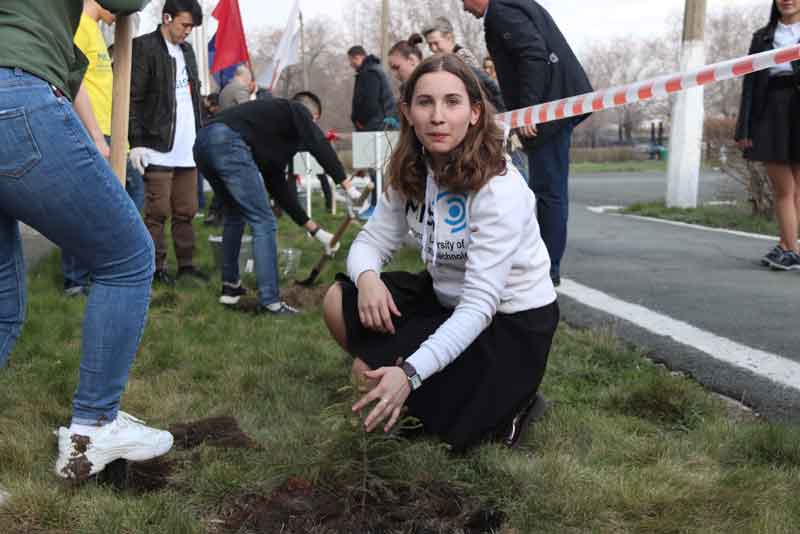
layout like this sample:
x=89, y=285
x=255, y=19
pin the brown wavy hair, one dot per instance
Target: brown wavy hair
x=478, y=158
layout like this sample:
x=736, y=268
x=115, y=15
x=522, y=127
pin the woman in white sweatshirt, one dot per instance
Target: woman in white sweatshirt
x=463, y=343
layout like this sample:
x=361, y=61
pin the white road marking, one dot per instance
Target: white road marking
x=610, y=210
x=770, y=366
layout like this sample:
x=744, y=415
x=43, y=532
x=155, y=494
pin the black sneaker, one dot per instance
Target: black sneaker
x=253, y=306
x=231, y=294
x=530, y=414
x=194, y=273
x=789, y=261
x=283, y=309
x=163, y=278
x=773, y=256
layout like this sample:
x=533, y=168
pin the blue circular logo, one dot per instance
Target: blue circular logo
x=456, y=211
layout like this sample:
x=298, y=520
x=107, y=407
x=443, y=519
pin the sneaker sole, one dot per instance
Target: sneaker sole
x=778, y=267
x=535, y=413
x=229, y=301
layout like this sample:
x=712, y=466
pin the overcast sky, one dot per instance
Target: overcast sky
x=581, y=21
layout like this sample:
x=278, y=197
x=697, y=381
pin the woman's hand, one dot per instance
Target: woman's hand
x=391, y=393
x=744, y=144
x=375, y=303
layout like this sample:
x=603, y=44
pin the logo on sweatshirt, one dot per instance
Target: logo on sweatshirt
x=456, y=217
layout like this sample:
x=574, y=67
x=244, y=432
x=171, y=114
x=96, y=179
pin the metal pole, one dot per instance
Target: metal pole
x=686, y=131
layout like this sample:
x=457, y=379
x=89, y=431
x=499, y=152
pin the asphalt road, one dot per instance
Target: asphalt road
x=710, y=280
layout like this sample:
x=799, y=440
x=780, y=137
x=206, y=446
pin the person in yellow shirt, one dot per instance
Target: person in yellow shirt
x=98, y=83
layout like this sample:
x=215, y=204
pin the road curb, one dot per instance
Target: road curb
x=773, y=401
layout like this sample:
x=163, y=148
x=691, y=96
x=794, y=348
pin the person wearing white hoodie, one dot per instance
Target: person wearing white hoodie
x=464, y=343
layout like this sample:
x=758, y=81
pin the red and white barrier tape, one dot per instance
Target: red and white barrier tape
x=641, y=91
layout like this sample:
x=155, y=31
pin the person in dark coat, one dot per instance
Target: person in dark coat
x=768, y=129
x=535, y=64
x=374, y=106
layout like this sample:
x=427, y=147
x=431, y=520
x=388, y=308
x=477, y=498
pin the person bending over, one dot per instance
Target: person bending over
x=243, y=153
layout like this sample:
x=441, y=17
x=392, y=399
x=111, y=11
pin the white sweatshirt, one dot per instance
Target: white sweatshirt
x=483, y=251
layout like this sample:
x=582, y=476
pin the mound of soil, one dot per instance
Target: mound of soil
x=299, y=507
x=305, y=298
x=138, y=478
x=221, y=431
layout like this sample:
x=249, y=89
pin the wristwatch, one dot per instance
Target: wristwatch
x=414, y=379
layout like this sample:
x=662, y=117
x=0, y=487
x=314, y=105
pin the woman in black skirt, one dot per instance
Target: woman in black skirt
x=768, y=129
x=464, y=343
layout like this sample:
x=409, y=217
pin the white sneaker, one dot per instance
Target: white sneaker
x=4, y=497
x=80, y=457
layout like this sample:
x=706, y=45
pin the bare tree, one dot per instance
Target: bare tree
x=728, y=36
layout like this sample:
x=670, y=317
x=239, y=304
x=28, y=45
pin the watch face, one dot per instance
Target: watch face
x=415, y=382
x=413, y=377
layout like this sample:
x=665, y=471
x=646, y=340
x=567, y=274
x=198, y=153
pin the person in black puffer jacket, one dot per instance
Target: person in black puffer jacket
x=374, y=106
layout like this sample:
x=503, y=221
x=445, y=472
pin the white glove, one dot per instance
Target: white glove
x=325, y=238
x=140, y=158
x=353, y=193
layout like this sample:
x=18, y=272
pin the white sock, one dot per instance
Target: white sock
x=237, y=285
x=275, y=306
x=83, y=430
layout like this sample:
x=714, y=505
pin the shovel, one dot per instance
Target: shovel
x=312, y=278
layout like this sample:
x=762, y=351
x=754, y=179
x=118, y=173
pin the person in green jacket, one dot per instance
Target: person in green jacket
x=54, y=177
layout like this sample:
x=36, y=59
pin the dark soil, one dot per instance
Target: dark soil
x=137, y=477
x=215, y=431
x=304, y=298
x=299, y=507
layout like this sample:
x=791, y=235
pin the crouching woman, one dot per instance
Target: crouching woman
x=464, y=343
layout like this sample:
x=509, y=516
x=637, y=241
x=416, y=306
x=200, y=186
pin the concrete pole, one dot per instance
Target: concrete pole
x=385, y=33
x=686, y=131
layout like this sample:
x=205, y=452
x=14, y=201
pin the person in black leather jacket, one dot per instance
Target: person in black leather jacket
x=768, y=128
x=535, y=64
x=164, y=119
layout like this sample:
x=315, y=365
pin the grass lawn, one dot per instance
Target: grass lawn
x=588, y=167
x=627, y=447
x=732, y=217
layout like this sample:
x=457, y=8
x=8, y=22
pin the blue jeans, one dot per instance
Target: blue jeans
x=548, y=167
x=226, y=161
x=53, y=179
x=76, y=274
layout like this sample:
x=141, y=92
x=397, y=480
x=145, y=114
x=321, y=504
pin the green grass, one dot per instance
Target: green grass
x=626, y=447
x=732, y=217
x=588, y=167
